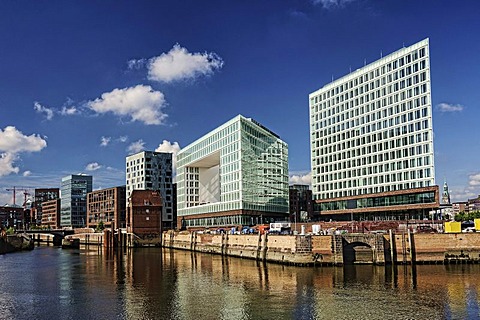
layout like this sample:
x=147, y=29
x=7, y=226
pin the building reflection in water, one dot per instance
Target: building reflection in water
x=165, y=284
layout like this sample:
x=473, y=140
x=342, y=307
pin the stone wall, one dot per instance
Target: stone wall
x=402, y=248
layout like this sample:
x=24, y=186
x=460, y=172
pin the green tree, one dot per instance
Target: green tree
x=100, y=227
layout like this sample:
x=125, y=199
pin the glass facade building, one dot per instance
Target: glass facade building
x=235, y=175
x=73, y=209
x=371, y=130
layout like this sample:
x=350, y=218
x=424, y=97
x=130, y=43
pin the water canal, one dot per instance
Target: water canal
x=154, y=283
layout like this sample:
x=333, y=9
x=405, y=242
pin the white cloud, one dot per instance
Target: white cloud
x=474, y=180
x=69, y=111
x=446, y=107
x=123, y=139
x=93, y=166
x=136, y=147
x=179, y=64
x=301, y=178
x=327, y=4
x=14, y=141
x=140, y=103
x=41, y=109
x=6, y=164
x=27, y=173
x=173, y=148
x=105, y=141
x=136, y=64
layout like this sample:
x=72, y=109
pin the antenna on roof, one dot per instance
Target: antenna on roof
x=381, y=53
x=350, y=69
x=332, y=77
x=364, y=62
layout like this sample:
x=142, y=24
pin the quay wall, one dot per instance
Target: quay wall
x=400, y=248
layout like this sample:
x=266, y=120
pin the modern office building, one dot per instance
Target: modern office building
x=74, y=192
x=149, y=170
x=372, y=139
x=234, y=175
x=107, y=206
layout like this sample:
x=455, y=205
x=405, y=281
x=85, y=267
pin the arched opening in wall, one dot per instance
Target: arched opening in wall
x=357, y=253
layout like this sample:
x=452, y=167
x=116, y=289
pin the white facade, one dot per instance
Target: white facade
x=148, y=170
x=371, y=130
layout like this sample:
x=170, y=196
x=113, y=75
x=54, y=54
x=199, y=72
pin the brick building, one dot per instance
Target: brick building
x=51, y=213
x=144, y=213
x=42, y=195
x=107, y=206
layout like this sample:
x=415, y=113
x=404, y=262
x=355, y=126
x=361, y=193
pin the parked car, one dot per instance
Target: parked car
x=426, y=229
x=469, y=229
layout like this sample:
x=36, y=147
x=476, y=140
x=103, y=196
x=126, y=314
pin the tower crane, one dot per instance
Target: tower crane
x=17, y=188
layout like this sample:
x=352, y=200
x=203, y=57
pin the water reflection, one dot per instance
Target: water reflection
x=151, y=283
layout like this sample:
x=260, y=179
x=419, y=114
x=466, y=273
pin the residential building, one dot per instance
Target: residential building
x=11, y=216
x=235, y=175
x=74, y=192
x=107, y=206
x=372, y=140
x=473, y=204
x=42, y=195
x=149, y=170
x=301, y=203
x=51, y=213
x=145, y=213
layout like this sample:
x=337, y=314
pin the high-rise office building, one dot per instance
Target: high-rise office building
x=74, y=200
x=149, y=170
x=372, y=138
x=234, y=175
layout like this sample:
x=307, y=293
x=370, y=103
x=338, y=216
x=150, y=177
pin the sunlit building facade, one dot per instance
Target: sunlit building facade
x=74, y=200
x=149, y=170
x=235, y=175
x=372, y=138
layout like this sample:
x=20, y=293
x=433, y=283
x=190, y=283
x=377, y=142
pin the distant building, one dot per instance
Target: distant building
x=301, y=203
x=144, y=213
x=107, y=206
x=474, y=204
x=42, y=195
x=51, y=213
x=371, y=135
x=149, y=170
x=234, y=175
x=11, y=216
x=74, y=200
x=459, y=207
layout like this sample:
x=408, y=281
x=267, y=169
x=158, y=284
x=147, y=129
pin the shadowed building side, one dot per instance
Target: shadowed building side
x=144, y=213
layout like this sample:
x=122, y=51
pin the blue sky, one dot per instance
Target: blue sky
x=85, y=83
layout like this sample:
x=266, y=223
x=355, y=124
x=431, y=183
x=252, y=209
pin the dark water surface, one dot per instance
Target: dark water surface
x=153, y=283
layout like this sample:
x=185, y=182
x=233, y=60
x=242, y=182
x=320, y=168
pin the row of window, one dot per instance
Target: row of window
x=395, y=200
x=369, y=190
x=378, y=72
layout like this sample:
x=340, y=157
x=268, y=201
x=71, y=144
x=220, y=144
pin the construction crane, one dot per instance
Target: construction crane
x=17, y=188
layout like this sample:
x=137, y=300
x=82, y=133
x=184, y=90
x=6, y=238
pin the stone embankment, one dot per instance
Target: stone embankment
x=359, y=248
x=16, y=242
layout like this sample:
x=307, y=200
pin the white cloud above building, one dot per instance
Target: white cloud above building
x=140, y=103
x=12, y=143
x=179, y=64
x=136, y=147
